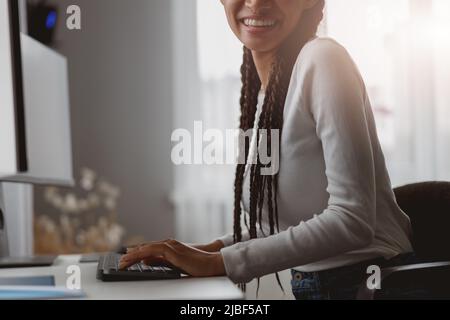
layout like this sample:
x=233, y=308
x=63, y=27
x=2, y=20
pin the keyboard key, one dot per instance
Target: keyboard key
x=133, y=268
x=145, y=267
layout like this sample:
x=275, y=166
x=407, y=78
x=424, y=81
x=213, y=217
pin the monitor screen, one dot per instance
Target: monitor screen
x=47, y=116
x=12, y=123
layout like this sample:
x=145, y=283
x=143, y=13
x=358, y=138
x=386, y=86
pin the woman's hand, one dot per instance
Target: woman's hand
x=210, y=247
x=192, y=261
x=214, y=246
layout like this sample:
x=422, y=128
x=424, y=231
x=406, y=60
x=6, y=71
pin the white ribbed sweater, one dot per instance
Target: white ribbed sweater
x=336, y=204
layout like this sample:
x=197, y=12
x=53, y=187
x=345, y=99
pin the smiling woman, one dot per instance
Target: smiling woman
x=265, y=31
x=330, y=207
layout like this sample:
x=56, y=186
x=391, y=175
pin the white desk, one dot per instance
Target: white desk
x=217, y=288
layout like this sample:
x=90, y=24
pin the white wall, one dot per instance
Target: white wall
x=121, y=104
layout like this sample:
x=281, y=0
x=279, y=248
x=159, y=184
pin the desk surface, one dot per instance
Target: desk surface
x=216, y=288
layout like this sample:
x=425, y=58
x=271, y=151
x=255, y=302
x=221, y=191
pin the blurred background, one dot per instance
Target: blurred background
x=139, y=69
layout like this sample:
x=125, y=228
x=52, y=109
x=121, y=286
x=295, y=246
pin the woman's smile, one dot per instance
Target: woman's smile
x=263, y=25
x=255, y=25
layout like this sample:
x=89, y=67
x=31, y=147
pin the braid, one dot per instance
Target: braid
x=254, y=185
x=276, y=97
x=260, y=206
x=248, y=101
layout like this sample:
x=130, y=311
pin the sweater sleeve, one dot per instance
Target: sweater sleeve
x=228, y=239
x=331, y=87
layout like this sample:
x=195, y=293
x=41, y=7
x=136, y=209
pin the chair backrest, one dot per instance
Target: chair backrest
x=428, y=206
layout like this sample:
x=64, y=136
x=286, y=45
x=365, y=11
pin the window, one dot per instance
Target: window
x=402, y=50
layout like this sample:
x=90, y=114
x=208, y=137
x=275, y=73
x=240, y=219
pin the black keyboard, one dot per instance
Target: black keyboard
x=108, y=270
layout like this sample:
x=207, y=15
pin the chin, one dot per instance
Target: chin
x=260, y=46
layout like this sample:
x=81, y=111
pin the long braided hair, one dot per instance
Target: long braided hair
x=271, y=117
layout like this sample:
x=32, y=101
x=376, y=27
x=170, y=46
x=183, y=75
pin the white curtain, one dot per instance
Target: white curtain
x=202, y=195
x=402, y=48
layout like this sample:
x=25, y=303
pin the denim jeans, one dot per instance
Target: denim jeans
x=343, y=283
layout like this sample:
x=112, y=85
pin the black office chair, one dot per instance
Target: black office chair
x=428, y=206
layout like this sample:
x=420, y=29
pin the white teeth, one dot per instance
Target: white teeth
x=259, y=23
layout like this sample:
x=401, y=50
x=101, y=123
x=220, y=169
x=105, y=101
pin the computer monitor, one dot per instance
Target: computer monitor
x=38, y=86
x=47, y=116
x=12, y=122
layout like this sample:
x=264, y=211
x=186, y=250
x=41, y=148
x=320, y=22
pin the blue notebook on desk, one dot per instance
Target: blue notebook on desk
x=28, y=281
x=38, y=292
x=38, y=287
